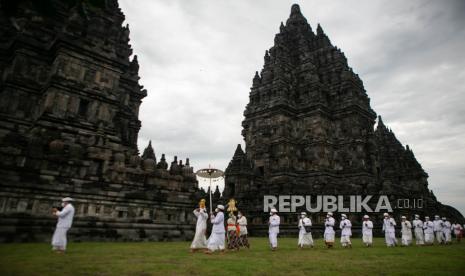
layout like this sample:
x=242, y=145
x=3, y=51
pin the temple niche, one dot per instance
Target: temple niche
x=69, y=108
x=309, y=129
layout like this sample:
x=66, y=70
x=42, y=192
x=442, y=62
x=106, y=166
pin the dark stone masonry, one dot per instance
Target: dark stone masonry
x=69, y=104
x=309, y=130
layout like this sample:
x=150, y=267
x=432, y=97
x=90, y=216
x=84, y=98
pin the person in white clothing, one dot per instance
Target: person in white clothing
x=438, y=225
x=243, y=234
x=389, y=229
x=428, y=228
x=457, y=231
x=65, y=221
x=346, y=231
x=305, y=233
x=329, y=230
x=447, y=231
x=216, y=240
x=406, y=232
x=273, y=228
x=367, y=231
x=200, y=240
x=418, y=230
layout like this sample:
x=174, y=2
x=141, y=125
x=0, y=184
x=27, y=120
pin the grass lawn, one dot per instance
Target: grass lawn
x=173, y=258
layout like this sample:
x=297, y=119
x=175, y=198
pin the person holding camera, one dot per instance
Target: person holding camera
x=65, y=220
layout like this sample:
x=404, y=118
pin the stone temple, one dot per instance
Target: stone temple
x=309, y=130
x=69, y=104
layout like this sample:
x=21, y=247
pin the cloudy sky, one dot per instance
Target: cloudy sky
x=197, y=59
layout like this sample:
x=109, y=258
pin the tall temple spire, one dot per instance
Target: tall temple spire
x=380, y=123
x=296, y=19
x=256, y=79
x=319, y=30
x=239, y=152
x=295, y=11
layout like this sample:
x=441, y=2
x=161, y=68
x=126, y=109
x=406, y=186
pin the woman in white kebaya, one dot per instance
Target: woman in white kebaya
x=243, y=234
x=200, y=240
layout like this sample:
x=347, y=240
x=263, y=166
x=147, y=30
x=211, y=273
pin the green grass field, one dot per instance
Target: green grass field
x=173, y=258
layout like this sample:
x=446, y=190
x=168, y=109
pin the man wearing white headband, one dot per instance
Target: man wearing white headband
x=273, y=228
x=367, y=231
x=389, y=229
x=346, y=231
x=65, y=220
x=428, y=228
x=438, y=225
x=406, y=232
x=329, y=230
x=447, y=231
x=216, y=240
x=418, y=230
x=305, y=233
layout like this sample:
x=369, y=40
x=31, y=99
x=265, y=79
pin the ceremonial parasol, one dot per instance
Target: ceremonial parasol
x=210, y=173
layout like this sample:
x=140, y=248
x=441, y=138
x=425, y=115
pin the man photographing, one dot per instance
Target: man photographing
x=65, y=220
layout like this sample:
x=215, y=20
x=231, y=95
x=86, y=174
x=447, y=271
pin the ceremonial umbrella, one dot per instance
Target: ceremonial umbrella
x=210, y=173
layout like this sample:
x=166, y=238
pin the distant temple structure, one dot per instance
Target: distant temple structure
x=309, y=130
x=69, y=104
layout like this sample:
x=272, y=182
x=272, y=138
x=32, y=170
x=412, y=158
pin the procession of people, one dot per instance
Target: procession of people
x=424, y=233
x=234, y=234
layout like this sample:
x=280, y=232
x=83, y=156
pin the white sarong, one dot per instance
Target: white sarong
x=59, y=240
x=200, y=241
x=216, y=242
x=305, y=238
x=345, y=240
x=419, y=238
x=329, y=237
x=273, y=236
x=390, y=238
x=367, y=238
x=406, y=238
x=429, y=238
x=440, y=236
